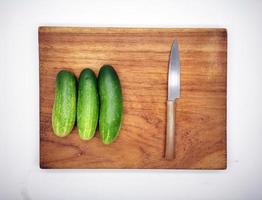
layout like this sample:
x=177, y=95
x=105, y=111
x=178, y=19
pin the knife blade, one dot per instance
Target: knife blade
x=174, y=73
x=173, y=94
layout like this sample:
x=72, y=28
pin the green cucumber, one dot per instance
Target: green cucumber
x=87, y=104
x=64, y=108
x=111, y=104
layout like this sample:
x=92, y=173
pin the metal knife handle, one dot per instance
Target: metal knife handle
x=170, y=131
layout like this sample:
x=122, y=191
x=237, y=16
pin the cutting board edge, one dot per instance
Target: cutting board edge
x=72, y=29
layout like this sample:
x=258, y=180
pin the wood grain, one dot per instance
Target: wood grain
x=140, y=57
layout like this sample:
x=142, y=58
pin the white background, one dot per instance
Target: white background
x=20, y=176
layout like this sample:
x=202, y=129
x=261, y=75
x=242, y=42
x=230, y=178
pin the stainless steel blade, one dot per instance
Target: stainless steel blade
x=174, y=73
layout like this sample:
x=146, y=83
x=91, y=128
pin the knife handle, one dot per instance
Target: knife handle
x=170, y=131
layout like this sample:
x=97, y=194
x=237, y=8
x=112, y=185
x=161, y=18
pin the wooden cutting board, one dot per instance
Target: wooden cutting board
x=140, y=56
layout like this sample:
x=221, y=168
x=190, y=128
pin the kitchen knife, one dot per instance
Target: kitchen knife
x=173, y=94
